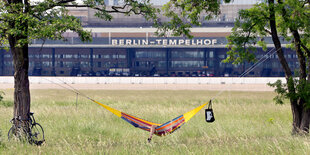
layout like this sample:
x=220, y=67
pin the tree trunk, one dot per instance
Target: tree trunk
x=21, y=85
x=21, y=81
x=305, y=121
x=300, y=114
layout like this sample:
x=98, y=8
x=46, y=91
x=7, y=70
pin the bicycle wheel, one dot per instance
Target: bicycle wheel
x=37, y=133
x=14, y=135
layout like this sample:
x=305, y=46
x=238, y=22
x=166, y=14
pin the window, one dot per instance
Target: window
x=84, y=56
x=106, y=56
x=84, y=64
x=162, y=64
x=122, y=56
x=106, y=64
x=68, y=56
x=97, y=56
x=8, y=63
x=211, y=54
x=59, y=64
x=187, y=54
x=211, y=64
x=68, y=64
x=46, y=63
x=114, y=56
x=289, y=56
x=186, y=64
x=150, y=54
x=121, y=64
x=222, y=56
x=99, y=64
x=46, y=56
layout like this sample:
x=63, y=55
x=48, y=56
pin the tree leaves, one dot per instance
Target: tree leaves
x=184, y=14
x=253, y=25
x=301, y=87
x=249, y=30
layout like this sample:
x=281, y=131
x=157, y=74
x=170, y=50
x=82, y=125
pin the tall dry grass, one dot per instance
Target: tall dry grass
x=246, y=123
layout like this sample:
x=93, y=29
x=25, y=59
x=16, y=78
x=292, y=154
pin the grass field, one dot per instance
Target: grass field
x=246, y=123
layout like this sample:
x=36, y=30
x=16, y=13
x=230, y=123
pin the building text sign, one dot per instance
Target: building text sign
x=164, y=42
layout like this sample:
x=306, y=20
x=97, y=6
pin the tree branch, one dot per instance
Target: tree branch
x=115, y=9
x=266, y=30
x=297, y=42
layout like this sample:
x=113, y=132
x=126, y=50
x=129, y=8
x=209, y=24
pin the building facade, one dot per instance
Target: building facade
x=138, y=52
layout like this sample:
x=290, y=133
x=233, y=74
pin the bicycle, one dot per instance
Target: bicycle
x=33, y=133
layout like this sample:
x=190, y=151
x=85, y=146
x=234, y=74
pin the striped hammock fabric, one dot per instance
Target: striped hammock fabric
x=161, y=129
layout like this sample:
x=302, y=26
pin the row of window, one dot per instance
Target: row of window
x=69, y=56
x=148, y=54
x=174, y=54
x=160, y=64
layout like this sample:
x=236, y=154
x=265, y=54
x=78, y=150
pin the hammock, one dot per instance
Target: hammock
x=161, y=129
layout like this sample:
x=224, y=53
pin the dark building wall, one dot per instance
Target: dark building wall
x=169, y=61
x=2, y=62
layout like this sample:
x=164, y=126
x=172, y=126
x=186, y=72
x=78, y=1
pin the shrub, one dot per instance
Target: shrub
x=5, y=103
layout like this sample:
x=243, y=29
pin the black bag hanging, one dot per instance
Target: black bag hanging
x=209, y=113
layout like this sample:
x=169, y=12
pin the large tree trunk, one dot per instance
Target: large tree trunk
x=21, y=85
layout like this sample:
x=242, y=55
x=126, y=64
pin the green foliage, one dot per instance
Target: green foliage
x=5, y=103
x=49, y=19
x=184, y=14
x=253, y=25
x=248, y=32
x=302, y=91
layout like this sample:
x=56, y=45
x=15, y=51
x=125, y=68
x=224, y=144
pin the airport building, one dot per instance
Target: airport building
x=128, y=46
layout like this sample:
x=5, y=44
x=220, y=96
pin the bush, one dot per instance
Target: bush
x=5, y=103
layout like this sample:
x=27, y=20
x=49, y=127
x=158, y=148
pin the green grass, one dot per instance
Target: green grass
x=246, y=123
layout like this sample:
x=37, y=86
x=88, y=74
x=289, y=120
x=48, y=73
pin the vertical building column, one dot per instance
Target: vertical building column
x=205, y=55
x=53, y=62
x=91, y=60
x=1, y=62
x=216, y=62
x=168, y=56
x=128, y=56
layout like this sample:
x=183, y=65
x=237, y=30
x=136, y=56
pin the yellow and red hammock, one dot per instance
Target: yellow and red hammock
x=161, y=129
